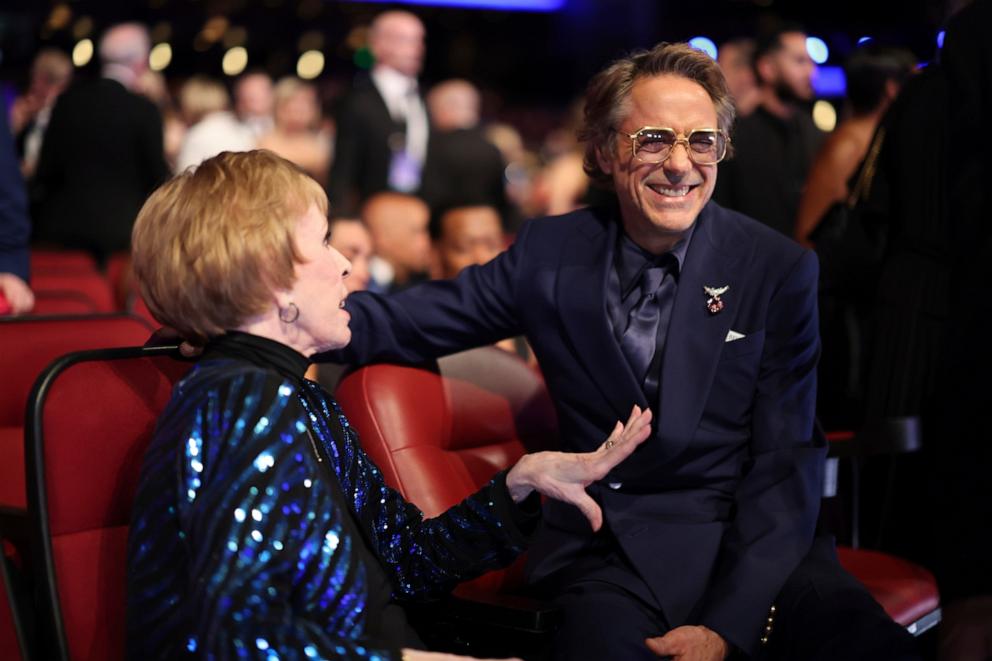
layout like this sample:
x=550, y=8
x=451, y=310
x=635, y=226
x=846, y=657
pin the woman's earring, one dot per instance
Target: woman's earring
x=290, y=314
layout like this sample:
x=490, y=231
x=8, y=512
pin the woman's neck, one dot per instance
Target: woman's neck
x=270, y=326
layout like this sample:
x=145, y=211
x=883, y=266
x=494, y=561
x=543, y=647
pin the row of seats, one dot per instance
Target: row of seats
x=70, y=282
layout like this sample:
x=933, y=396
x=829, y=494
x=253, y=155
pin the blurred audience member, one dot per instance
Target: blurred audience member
x=774, y=145
x=102, y=154
x=463, y=236
x=15, y=230
x=562, y=185
x=296, y=136
x=51, y=73
x=400, y=240
x=847, y=260
x=930, y=205
x=213, y=128
x=874, y=76
x=382, y=124
x=152, y=85
x=964, y=453
x=351, y=238
x=736, y=60
x=464, y=167
x=521, y=169
x=254, y=102
x=468, y=236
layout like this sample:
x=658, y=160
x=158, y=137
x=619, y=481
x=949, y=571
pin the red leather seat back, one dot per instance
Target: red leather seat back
x=92, y=417
x=438, y=433
x=31, y=343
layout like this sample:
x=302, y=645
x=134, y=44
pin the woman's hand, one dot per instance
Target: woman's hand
x=564, y=476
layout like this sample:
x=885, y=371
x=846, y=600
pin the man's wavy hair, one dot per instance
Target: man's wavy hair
x=606, y=98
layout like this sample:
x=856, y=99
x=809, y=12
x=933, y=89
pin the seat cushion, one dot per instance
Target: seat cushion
x=905, y=590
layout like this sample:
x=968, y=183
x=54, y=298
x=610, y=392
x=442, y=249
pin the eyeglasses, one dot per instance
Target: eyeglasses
x=652, y=144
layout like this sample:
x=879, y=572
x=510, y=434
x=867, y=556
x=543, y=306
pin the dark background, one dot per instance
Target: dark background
x=519, y=59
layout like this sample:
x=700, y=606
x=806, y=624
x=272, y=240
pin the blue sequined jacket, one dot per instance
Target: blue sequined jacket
x=262, y=530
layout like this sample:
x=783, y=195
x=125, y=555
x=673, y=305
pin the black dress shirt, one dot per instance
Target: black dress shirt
x=622, y=292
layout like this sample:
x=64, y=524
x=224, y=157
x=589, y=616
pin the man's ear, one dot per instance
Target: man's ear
x=436, y=271
x=891, y=90
x=766, y=69
x=604, y=161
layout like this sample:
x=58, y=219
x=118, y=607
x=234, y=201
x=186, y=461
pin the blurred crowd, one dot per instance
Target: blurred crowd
x=421, y=187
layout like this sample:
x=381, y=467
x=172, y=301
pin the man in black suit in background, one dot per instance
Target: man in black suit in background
x=382, y=125
x=464, y=169
x=102, y=153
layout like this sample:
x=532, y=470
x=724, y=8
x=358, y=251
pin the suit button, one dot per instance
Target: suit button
x=615, y=485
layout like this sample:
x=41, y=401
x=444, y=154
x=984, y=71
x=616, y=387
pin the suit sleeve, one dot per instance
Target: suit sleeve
x=440, y=317
x=779, y=495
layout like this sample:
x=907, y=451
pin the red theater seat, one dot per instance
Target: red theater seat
x=90, y=418
x=57, y=302
x=907, y=591
x=31, y=343
x=61, y=261
x=439, y=433
x=91, y=287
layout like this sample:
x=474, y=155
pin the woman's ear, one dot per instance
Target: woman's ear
x=282, y=298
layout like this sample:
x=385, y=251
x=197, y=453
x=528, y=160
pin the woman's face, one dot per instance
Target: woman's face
x=319, y=289
x=299, y=112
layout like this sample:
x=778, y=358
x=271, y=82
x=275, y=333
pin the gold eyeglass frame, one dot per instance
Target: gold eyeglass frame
x=680, y=138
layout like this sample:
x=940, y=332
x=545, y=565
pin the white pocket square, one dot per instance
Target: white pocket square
x=734, y=335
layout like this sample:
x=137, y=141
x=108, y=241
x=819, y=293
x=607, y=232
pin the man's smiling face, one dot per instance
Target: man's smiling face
x=660, y=201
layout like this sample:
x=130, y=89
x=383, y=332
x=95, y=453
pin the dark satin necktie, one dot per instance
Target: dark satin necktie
x=657, y=288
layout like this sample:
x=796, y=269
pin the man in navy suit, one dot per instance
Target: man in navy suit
x=706, y=316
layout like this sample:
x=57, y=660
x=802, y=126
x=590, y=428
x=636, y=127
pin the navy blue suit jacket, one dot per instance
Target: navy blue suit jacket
x=719, y=506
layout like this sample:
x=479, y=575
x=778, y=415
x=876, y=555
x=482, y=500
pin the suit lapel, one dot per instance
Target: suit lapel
x=587, y=257
x=695, y=336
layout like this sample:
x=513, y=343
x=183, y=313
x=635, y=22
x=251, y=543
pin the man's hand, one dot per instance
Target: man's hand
x=564, y=476
x=417, y=655
x=690, y=643
x=18, y=294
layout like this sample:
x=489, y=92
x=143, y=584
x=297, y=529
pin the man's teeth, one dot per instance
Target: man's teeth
x=678, y=191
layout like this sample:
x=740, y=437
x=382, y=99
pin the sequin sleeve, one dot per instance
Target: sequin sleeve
x=428, y=556
x=272, y=570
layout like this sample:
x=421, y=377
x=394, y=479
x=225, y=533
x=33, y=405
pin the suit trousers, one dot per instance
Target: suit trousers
x=823, y=614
